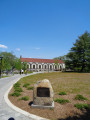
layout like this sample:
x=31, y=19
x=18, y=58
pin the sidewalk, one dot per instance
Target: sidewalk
x=6, y=111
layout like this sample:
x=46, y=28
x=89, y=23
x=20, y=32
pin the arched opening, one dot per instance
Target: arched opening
x=33, y=66
x=55, y=67
x=28, y=66
x=50, y=67
x=45, y=67
x=39, y=66
x=60, y=68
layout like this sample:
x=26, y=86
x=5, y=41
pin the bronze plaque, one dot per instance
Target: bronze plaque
x=43, y=92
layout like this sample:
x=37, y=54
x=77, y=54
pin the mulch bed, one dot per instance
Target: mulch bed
x=65, y=111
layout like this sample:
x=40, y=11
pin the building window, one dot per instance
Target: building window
x=30, y=66
x=39, y=66
x=45, y=67
x=60, y=68
x=33, y=66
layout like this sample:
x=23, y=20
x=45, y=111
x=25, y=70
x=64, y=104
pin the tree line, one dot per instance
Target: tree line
x=78, y=59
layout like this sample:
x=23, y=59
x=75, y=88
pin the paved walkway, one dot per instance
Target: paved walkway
x=5, y=111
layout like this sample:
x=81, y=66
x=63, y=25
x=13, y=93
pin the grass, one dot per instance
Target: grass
x=81, y=106
x=4, y=76
x=51, y=108
x=80, y=97
x=30, y=88
x=18, y=89
x=26, y=85
x=61, y=101
x=17, y=94
x=68, y=82
x=62, y=93
x=25, y=98
x=30, y=72
x=17, y=85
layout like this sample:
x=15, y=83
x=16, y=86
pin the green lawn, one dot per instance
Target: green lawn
x=4, y=76
x=68, y=82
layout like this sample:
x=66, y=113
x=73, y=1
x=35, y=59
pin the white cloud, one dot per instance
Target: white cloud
x=3, y=46
x=18, y=49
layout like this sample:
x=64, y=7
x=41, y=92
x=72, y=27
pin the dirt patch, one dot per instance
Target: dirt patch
x=71, y=83
x=59, y=112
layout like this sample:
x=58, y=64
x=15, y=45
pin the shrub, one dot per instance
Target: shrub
x=30, y=88
x=18, y=89
x=25, y=98
x=62, y=93
x=17, y=94
x=80, y=97
x=81, y=106
x=62, y=101
x=17, y=85
x=51, y=108
x=26, y=85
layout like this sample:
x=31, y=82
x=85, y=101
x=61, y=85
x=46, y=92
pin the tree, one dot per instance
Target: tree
x=8, y=60
x=80, y=54
x=2, y=64
x=18, y=64
x=64, y=59
x=24, y=66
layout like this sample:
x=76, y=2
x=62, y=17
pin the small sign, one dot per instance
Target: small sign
x=43, y=92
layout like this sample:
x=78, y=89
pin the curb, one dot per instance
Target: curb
x=32, y=116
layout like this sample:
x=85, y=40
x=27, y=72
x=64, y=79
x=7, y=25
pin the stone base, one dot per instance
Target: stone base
x=41, y=106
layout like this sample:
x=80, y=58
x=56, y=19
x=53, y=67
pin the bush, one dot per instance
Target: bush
x=62, y=101
x=17, y=85
x=81, y=106
x=17, y=94
x=30, y=88
x=80, y=97
x=26, y=85
x=62, y=93
x=25, y=98
x=18, y=89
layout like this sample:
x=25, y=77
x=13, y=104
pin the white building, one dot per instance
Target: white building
x=35, y=64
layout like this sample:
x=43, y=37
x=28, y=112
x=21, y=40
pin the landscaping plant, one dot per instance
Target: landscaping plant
x=17, y=94
x=62, y=101
x=62, y=93
x=25, y=98
x=26, y=85
x=80, y=97
x=81, y=106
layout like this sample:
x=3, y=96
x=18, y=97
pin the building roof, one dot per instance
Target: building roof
x=40, y=60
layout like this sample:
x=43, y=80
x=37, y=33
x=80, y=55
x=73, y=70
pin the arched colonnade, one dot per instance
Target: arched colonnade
x=45, y=66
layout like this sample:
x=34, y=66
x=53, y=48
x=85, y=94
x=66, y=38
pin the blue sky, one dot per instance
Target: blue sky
x=42, y=28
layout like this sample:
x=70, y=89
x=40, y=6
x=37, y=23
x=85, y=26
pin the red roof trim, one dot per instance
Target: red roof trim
x=40, y=60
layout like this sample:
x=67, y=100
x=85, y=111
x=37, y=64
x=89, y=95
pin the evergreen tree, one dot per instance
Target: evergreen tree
x=80, y=54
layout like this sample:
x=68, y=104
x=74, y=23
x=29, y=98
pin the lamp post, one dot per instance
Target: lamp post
x=1, y=65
